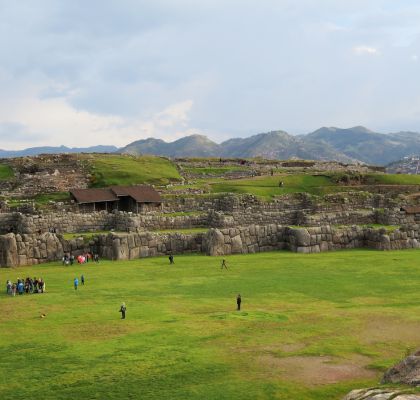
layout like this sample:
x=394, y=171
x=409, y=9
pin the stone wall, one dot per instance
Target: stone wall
x=229, y=202
x=125, y=222
x=145, y=244
x=99, y=221
x=395, y=216
x=307, y=240
x=16, y=249
x=20, y=250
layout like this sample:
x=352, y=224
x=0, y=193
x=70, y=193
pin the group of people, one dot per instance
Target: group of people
x=28, y=285
x=69, y=259
x=37, y=285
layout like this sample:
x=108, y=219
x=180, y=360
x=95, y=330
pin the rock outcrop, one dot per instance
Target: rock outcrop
x=380, y=394
x=406, y=372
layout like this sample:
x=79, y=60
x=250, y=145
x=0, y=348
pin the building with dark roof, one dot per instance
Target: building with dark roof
x=139, y=198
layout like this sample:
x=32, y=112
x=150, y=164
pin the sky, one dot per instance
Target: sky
x=81, y=73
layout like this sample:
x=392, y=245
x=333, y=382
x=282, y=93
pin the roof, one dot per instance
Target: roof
x=412, y=209
x=139, y=193
x=93, y=195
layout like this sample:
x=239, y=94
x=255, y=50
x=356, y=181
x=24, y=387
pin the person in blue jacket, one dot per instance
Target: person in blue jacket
x=76, y=283
x=20, y=287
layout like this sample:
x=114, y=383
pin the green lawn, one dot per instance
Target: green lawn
x=393, y=179
x=113, y=169
x=268, y=186
x=6, y=172
x=219, y=170
x=45, y=198
x=311, y=327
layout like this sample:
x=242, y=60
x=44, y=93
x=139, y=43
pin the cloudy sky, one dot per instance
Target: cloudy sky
x=112, y=71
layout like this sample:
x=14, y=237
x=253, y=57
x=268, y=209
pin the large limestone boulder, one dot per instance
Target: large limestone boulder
x=302, y=236
x=8, y=251
x=407, y=371
x=236, y=244
x=214, y=243
x=120, y=248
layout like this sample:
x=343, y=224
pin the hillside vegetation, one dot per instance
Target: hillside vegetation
x=5, y=172
x=268, y=186
x=112, y=169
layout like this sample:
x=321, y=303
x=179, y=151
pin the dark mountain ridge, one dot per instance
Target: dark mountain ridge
x=34, y=151
x=357, y=144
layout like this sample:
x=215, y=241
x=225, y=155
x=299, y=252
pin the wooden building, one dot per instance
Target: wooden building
x=139, y=198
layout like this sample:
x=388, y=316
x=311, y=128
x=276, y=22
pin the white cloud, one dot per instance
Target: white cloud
x=368, y=50
x=40, y=119
x=415, y=57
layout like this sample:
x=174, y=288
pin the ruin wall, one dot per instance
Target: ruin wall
x=19, y=250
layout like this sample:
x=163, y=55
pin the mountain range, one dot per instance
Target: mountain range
x=34, y=151
x=357, y=144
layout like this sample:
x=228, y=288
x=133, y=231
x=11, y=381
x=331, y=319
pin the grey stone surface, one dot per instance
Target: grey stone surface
x=406, y=372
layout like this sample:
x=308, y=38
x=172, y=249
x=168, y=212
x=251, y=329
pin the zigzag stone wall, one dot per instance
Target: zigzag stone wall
x=17, y=250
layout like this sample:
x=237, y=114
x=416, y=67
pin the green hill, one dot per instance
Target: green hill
x=113, y=169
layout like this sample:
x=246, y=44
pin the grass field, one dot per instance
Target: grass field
x=112, y=169
x=311, y=327
x=268, y=186
x=5, y=172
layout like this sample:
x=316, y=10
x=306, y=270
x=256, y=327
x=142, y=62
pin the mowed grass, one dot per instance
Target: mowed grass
x=311, y=327
x=268, y=186
x=114, y=169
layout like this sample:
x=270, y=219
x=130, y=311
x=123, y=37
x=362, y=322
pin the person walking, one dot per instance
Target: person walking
x=238, y=302
x=82, y=279
x=223, y=264
x=76, y=283
x=123, y=309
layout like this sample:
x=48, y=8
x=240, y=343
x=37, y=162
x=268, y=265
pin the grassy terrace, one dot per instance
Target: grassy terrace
x=214, y=170
x=114, y=169
x=312, y=327
x=6, y=172
x=268, y=186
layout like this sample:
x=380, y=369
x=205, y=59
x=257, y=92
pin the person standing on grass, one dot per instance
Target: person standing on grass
x=223, y=264
x=76, y=283
x=8, y=287
x=82, y=279
x=123, y=309
x=171, y=259
x=20, y=287
x=238, y=302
